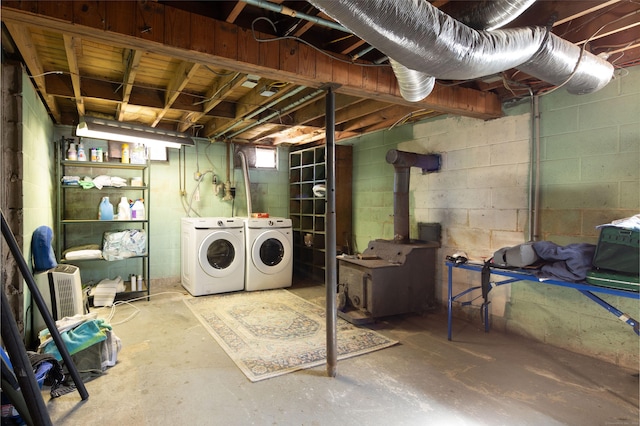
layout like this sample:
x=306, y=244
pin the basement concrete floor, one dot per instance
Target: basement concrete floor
x=172, y=372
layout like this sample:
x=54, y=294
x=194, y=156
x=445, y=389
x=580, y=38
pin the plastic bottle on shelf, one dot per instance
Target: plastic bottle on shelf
x=137, y=154
x=137, y=211
x=139, y=286
x=125, y=153
x=124, y=209
x=106, y=209
x=72, y=154
x=81, y=155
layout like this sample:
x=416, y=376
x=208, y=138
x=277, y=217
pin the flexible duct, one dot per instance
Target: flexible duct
x=247, y=182
x=490, y=15
x=415, y=85
x=428, y=42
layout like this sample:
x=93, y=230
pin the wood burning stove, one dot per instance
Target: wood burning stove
x=391, y=277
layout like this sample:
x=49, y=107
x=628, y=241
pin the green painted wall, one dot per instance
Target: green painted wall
x=39, y=166
x=269, y=192
x=176, y=193
x=38, y=172
x=590, y=175
x=373, y=185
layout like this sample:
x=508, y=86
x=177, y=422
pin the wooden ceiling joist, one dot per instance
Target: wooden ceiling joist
x=232, y=47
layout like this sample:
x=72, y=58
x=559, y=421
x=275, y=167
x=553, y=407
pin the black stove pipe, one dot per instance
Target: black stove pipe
x=402, y=162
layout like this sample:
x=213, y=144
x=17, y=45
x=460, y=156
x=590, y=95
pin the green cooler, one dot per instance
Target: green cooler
x=613, y=280
x=616, y=263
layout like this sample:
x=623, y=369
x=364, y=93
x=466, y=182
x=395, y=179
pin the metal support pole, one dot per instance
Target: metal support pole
x=331, y=279
x=42, y=306
x=22, y=368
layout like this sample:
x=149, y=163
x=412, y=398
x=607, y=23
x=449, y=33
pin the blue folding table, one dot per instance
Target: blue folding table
x=514, y=275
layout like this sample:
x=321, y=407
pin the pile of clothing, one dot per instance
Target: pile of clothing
x=549, y=260
x=90, y=341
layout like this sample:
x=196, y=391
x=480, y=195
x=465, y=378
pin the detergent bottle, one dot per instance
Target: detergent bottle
x=125, y=153
x=124, y=210
x=72, y=155
x=137, y=211
x=106, y=209
x=81, y=154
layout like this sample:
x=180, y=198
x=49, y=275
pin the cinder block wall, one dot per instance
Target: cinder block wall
x=480, y=195
x=590, y=175
x=373, y=185
x=590, y=158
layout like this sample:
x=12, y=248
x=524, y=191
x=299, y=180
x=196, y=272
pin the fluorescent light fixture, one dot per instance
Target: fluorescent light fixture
x=99, y=128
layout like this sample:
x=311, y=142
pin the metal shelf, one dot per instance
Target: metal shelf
x=74, y=229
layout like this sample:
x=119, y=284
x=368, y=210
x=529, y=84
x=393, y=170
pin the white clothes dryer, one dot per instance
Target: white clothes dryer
x=213, y=255
x=269, y=262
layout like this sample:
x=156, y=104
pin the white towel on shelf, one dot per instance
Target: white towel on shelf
x=83, y=254
x=104, y=180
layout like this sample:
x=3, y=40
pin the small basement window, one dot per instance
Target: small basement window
x=258, y=157
x=266, y=158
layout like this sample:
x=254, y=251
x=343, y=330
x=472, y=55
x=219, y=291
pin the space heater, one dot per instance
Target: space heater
x=61, y=289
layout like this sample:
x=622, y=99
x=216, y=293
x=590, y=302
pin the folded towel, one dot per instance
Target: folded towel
x=104, y=180
x=86, y=183
x=83, y=254
x=101, y=181
x=70, y=180
x=118, y=181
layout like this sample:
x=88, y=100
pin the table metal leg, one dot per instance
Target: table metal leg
x=450, y=286
x=621, y=315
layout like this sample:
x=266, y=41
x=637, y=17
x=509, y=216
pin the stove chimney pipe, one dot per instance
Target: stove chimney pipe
x=403, y=161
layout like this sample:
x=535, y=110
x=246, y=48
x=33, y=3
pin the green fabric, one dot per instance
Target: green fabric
x=83, y=336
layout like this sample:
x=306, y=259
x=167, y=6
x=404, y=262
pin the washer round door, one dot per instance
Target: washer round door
x=220, y=254
x=271, y=252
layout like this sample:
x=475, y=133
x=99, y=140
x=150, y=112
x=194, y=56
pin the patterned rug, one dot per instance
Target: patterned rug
x=274, y=332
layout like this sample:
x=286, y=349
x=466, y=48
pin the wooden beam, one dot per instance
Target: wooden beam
x=132, y=63
x=22, y=39
x=215, y=95
x=235, y=12
x=391, y=113
x=184, y=73
x=235, y=48
x=585, y=12
x=70, y=46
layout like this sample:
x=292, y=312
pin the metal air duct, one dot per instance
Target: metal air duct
x=427, y=42
x=493, y=14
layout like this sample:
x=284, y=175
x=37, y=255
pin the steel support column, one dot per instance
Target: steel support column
x=331, y=279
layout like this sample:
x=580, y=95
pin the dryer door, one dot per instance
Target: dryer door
x=220, y=253
x=271, y=252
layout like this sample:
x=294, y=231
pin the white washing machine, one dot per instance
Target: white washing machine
x=213, y=255
x=269, y=262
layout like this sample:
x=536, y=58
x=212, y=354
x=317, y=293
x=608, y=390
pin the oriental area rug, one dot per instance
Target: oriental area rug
x=274, y=332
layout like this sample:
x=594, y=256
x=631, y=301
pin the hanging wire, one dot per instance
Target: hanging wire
x=300, y=40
